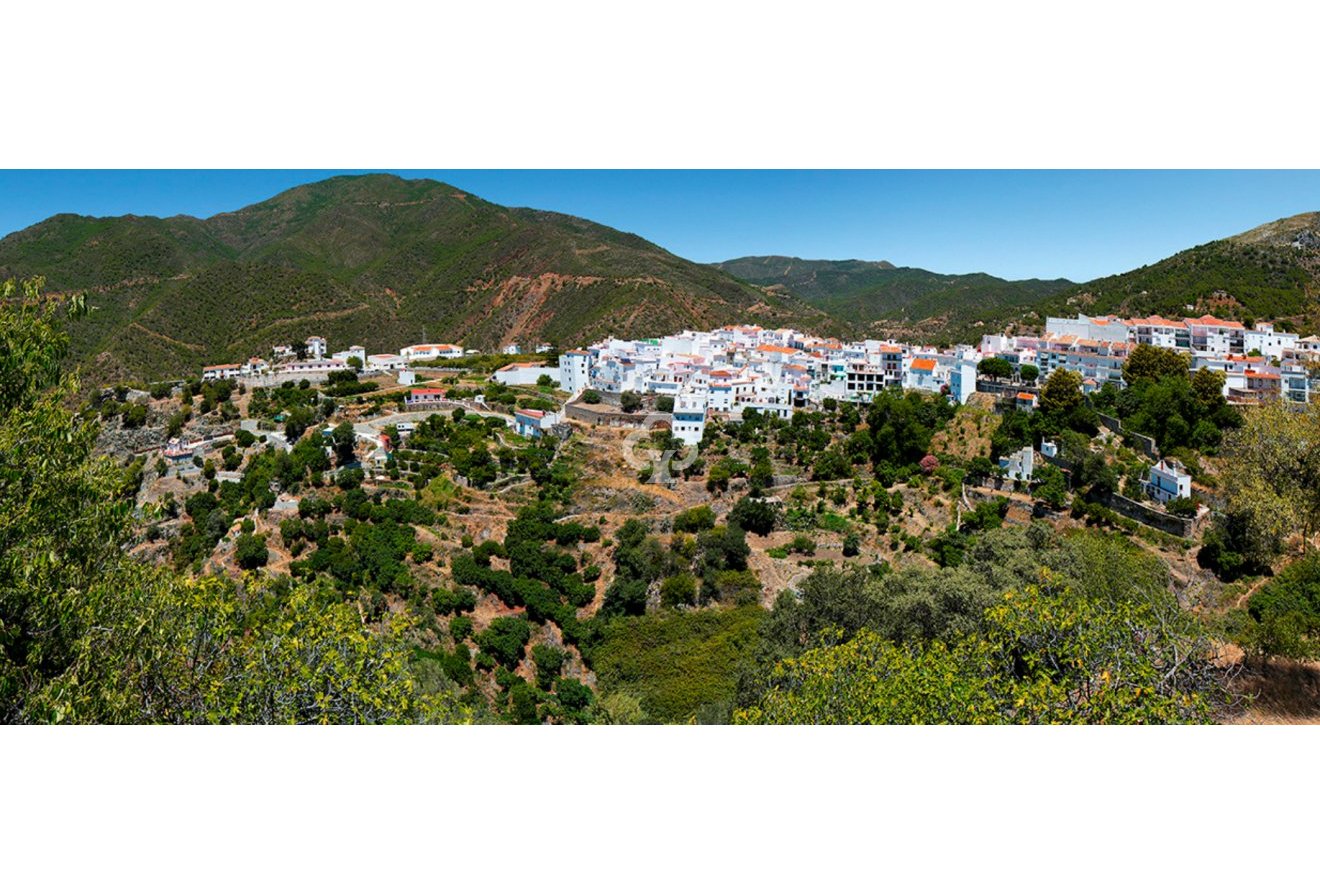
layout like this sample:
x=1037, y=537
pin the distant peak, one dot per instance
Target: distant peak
x=1300, y=230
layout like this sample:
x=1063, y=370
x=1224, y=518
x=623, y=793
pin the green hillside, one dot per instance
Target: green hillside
x=878, y=293
x=373, y=259
x=1272, y=271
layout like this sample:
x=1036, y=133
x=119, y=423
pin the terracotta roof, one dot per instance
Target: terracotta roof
x=777, y=349
x=1026, y=396
x=1209, y=320
x=926, y=364
x=1157, y=320
x=427, y=392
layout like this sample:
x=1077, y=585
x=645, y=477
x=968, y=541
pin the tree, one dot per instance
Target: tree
x=344, y=439
x=354, y=363
x=135, y=416
x=1050, y=486
x=549, y=662
x=505, y=639
x=591, y=396
x=665, y=404
x=630, y=402
x=620, y=708
x=756, y=516
x=1154, y=363
x=1270, y=474
x=995, y=368
x=1028, y=372
x=1062, y=393
x=250, y=552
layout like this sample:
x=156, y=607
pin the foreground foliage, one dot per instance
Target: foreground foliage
x=87, y=634
x=1105, y=643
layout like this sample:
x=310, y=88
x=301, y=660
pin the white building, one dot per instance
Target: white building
x=431, y=352
x=689, y=417
x=316, y=347
x=962, y=380
x=575, y=371
x=525, y=374
x=1108, y=329
x=1018, y=466
x=386, y=363
x=1265, y=341
x=353, y=351
x=221, y=371
x=1168, y=480
x=533, y=423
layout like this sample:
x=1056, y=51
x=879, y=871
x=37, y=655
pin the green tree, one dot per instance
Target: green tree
x=753, y=515
x=250, y=552
x=1270, y=474
x=1154, y=363
x=995, y=368
x=1062, y=393
x=1050, y=486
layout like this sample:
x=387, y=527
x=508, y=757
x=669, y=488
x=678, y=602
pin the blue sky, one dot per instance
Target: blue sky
x=1075, y=224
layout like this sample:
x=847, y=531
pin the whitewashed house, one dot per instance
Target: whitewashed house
x=1168, y=480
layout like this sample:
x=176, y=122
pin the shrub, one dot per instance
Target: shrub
x=505, y=639
x=697, y=519
x=756, y=516
x=802, y=544
x=460, y=628
x=549, y=662
x=678, y=590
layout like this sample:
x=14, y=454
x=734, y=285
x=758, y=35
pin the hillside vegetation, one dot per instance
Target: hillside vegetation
x=373, y=259
x=899, y=298
x=1272, y=271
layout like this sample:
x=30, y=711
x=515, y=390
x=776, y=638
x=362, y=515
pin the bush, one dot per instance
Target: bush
x=505, y=639
x=802, y=544
x=549, y=662
x=1182, y=506
x=460, y=628
x=696, y=519
x=757, y=516
x=678, y=590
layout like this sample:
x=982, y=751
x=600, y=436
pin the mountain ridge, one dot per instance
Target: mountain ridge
x=370, y=259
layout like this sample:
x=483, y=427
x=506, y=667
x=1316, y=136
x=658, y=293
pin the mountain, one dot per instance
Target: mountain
x=894, y=299
x=372, y=259
x=1272, y=271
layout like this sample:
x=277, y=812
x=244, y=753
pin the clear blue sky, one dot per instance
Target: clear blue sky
x=1075, y=224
